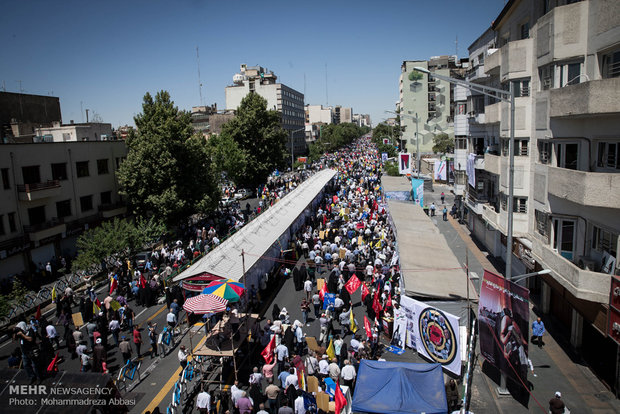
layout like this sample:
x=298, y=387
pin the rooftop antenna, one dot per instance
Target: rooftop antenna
x=326, y=94
x=82, y=111
x=304, y=84
x=199, y=83
x=3, y=86
x=456, y=42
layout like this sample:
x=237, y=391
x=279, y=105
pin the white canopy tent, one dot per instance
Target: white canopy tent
x=263, y=238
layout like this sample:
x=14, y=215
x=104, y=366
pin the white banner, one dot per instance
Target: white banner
x=471, y=170
x=440, y=170
x=407, y=305
x=436, y=334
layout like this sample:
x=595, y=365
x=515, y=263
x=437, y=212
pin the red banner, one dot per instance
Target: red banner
x=365, y=291
x=504, y=324
x=267, y=353
x=376, y=304
x=339, y=398
x=367, y=327
x=352, y=284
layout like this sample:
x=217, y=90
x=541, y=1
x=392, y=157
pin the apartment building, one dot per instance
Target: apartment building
x=562, y=60
x=22, y=114
x=280, y=97
x=425, y=101
x=87, y=131
x=51, y=192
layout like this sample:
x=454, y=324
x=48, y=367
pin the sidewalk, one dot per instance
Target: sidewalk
x=581, y=391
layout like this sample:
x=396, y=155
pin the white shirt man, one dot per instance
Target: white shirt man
x=308, y=286
x=348, y=372
x=203, y=402
x=324, y=366
x=282, y=352
x=291, y=380
x=299, y=405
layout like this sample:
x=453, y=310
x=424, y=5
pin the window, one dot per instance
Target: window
x=546, y=77
x=544, y=152
x=59, y=171
x=604, y=241
x=81, y=168
x=611, y=65
x=570, y=74
x=608, y=154
x=6, y=184
x=460, y=143
x=564, y=237
x=2, y=225
x=481, y=59
x=521, y=88
x=504, y=39
x=102, y=166
x=567, y=155
x=519, y=203
x=505, y=147
x=63, y=208
x=86, y=203
x=36, y=215
x=542, y=223
x=524, y=30
x=106, y=197
x=31, y=174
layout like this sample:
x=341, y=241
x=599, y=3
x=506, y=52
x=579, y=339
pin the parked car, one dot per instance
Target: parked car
x=242, y=194
x=140, y=260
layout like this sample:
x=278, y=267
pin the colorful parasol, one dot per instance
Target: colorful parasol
x=203, y=303
x=227, y=289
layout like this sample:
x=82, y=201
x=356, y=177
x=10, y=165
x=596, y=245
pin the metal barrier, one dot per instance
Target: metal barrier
x=129, y=371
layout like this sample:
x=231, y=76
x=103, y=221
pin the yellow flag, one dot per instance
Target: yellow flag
x=54, y=294
x=331, y=352
x=96, y=309
x=352, y=324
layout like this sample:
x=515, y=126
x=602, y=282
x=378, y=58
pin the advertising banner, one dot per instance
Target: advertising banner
x=418, y=191
x=384, y=156
x=399, y=337
x=404, y=163
x=504, y=324
x=471, y=170
x=440, y=170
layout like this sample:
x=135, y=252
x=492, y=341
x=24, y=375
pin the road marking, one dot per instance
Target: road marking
x=168, y=386
x=152, y=316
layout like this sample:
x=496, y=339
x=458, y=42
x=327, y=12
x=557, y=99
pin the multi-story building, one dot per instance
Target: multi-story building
x=318, y=114
x=425, y=101
x=51, y=192
x=89, y=131
x=280, y=97
x=207, y=120
x=361, y=120
x=562, y=59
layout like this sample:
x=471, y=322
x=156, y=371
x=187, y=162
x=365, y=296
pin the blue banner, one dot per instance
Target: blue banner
x=418, y=191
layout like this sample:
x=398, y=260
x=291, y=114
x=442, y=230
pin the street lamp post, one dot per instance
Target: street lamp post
x=509, y=97
x=417, y=138
x=504, y=96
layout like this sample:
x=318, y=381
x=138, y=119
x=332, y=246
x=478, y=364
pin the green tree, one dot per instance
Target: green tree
x=227, y=157
x=443, y=144
x=390, y=149
x=259, y=135
x=119, y=239
x=384, y=130
x=167, y=172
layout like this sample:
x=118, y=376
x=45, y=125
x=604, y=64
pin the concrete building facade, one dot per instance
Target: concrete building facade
x=21, y=114
x=91, y=131
x=562, y=59
x=280, y=97
x=51, y=193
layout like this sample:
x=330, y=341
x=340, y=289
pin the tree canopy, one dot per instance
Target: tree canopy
x=168, y=172
x=114, y=240
x=443, y=144
x=384, y=130
x=260, y=139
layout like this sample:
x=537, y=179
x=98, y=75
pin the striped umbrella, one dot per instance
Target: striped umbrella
x=202, y=304
x=227, y=289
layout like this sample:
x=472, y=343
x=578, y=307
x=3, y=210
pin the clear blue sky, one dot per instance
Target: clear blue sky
x=108, y=54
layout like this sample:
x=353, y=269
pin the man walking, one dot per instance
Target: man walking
x=538, y=330
x=125, y=349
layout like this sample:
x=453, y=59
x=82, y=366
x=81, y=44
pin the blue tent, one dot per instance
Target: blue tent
x=399, y=387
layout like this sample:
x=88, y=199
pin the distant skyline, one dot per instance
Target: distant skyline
x=104, y=56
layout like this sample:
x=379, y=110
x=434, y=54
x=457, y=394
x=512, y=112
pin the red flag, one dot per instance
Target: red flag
x=37, y=315
x=98, y=302
x=352, y=284
x=53, y=366
x=267, y=353
x=113, y=285
x=323, y=291
x=376, y=303
x=388, y=302
x=367, y=327
x=142, y=281
x=339, y=398
x=365, y=291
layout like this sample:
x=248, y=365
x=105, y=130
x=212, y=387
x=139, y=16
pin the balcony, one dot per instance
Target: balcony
x=492, y=113
x=583, y=284
x=492, y=62
x=491, y=216
x=479, y=162
x=111, y=210
x=38, y=191
x=492, y=163
x=46, y=229
x=516, y=59
x=477, y=73
x=592, y=189
x=597, y=97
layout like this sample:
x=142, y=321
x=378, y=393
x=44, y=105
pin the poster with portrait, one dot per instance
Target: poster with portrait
x=418, y=191
x=384, y=156
x=399, y=335
x=404, y=163
x=407, y=306
x=504, y=324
